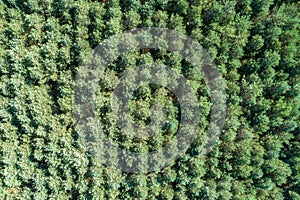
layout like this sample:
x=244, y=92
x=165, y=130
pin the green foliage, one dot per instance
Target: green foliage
x=254, y=44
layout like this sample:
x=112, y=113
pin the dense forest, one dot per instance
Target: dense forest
x=254, y=44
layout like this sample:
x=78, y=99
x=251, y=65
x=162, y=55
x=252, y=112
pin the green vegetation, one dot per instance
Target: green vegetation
x=254, y=44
